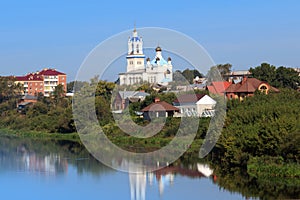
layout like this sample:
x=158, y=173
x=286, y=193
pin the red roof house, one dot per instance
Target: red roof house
x=247, y=87
x=218, y=87
x=43, y=81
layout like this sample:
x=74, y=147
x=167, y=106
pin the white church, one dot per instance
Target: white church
x=157, y=70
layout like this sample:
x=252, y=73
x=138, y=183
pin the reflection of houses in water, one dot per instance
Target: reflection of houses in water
x=161, y=178
x=50, y=164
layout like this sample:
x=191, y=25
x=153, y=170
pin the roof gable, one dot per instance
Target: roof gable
x=206, y=100
x=218, y=87
x=50, y=72
x=189, y=98
x=160, y=106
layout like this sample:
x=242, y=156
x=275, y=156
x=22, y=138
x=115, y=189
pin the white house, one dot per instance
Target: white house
x=205, y=106
x=197, y=105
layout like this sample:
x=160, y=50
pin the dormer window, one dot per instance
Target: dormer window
x=263, y=88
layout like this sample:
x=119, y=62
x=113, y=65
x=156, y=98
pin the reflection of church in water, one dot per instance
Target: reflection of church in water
x=162, y=178
x=157, y=70
x=138, y=183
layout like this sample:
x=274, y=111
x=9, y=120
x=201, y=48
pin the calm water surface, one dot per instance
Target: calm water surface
x=33, y=169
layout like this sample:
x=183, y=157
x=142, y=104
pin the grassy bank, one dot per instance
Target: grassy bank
x=263, y=168
x=39, y=135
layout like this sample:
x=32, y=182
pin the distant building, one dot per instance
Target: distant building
x=123, y=98
x=156, y=71
x=297, y=70
x=236, y=76
x=247, y=87
x=44, y=81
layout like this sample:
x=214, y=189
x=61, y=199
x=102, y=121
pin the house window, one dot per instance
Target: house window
x=263, y=87
x=131, y=62
x=139, y=62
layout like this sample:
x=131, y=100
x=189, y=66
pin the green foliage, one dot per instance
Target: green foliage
x=78, y=84
x=264, y=72
x=104, y=89
x=224, y=68
x=9, y=91
x=263, y=167
x=261, y=126
x=277, y=77
x=186, y=75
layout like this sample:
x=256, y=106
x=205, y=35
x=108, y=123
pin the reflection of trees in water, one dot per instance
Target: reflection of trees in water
x=46, y=156
x=267, y=188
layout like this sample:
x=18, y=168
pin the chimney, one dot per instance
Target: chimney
x=156, y=100
x=244, y=79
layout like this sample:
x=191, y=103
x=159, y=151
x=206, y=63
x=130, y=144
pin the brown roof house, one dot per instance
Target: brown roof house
x=159, y=109
x=26, y=101
x=247, y=87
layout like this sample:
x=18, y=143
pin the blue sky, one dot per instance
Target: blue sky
x=60, y=34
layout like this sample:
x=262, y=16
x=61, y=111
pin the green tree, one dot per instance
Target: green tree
x=286, y=77
x=264, y=72
x=9, y=91
x=224, y=68
x=72, y=84
x=191, y=74
x=105, y=89
x=59, y=92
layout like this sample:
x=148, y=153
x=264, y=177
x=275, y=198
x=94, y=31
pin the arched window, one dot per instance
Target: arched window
x=263, y=88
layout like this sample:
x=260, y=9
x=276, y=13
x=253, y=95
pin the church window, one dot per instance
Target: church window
x=131, y=62
x=139, y=62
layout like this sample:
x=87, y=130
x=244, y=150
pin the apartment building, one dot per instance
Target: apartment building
x=44, y=81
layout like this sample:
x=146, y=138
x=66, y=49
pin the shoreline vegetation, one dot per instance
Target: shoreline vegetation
x=261, y=134
x=5, y=132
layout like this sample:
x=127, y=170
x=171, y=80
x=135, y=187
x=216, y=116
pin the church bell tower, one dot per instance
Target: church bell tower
x=135, y=57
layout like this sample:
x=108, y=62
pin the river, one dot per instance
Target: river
x=51, y=169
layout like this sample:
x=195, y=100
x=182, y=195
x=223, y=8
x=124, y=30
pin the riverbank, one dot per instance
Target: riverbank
x=39, y=135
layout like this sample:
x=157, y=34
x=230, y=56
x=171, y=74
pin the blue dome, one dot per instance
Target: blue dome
x=162, y=61
x=135, y=39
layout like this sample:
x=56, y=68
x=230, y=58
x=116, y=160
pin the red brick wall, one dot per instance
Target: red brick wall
x=35, y=87
x=62, y=79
